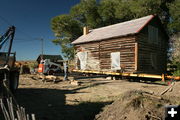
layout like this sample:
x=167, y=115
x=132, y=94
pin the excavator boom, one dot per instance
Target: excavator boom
x=9, y=74
x=9, y=34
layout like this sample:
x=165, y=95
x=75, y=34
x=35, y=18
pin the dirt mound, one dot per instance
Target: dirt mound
x=137, y=105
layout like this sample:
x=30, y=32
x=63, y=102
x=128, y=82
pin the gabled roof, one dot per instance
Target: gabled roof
x=51, y=57
x=116, y=30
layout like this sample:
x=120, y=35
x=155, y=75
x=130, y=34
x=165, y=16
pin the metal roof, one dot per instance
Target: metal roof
x=51, y=57
x=116, y=30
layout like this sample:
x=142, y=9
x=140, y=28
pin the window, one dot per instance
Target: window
x=82, y=56
x=115, y=61
x=152, y=34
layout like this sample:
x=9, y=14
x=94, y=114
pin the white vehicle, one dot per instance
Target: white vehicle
x=48, y=67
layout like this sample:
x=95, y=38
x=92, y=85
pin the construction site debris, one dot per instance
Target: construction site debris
x=74, y=82
x=136, y=105
x=168, y=89
x=64, y=100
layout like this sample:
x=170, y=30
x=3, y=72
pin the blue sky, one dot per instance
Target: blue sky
x=32, y=20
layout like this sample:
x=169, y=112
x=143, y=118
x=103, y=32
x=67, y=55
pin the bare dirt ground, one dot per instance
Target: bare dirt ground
x=63, y=101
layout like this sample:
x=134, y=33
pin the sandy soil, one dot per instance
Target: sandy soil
x=63, y=101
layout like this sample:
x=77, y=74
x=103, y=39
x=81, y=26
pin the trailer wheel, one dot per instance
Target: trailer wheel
x=14, y=81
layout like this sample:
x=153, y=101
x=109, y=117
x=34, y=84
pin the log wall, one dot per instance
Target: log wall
x=92, y=49
x=124, y=45
x=147, y=49
x=99, y=53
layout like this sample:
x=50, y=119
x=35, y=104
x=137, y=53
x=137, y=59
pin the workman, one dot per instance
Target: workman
x=65, y=70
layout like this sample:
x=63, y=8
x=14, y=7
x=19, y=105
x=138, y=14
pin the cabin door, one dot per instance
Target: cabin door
x=115, y=61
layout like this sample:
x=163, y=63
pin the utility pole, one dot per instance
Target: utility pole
x=42, y=48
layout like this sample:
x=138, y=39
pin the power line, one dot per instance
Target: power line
x=17, y=28
x=42, y=46
x=24, y=39
x=24, y=42
x=5, y=20
x=27, y=35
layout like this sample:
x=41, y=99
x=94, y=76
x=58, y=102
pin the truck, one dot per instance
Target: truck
x=9, y=73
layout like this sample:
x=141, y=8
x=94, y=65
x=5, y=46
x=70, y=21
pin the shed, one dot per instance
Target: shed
x=135, y=46
x=53, y=58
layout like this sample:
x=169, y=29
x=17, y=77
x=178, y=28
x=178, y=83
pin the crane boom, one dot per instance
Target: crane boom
x=9, y=34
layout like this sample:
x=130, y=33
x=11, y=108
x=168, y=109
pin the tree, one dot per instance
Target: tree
x=95, y=13
x=176, y=47
x=107, y=10
x=115, y=11
x=69, y=27
x=86, y=12
x=174, y=25
x=174, y=28
x=123, y=10
x=176, y=53
x=142, y=8
x=66, y=29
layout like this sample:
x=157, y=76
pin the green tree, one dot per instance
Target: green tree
x=123, y=10
x=131, y=9
x=107, y=10
x=174, y=28
x=86, y=12
x=94, y=14
x=176, y=53
x=114, y=11
x=174, y=9
x=66, y=29
x=145, y=7
x=176, y=47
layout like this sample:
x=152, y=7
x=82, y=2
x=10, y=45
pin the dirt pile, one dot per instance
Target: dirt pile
x=137, y=105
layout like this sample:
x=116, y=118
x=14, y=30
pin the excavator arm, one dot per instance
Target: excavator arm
x=9, y=34
x=9, y=75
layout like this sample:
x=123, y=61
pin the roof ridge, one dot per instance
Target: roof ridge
x=123, y=22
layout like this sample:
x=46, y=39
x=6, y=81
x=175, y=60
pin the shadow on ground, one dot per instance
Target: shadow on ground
x=148, y=81
x=49, y=104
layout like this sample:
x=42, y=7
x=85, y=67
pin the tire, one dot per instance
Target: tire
x=14, y=81
x=51, y=72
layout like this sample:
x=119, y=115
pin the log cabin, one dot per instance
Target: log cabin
x=135, y=46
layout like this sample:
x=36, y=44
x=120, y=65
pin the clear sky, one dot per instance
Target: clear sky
x=32, y=20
